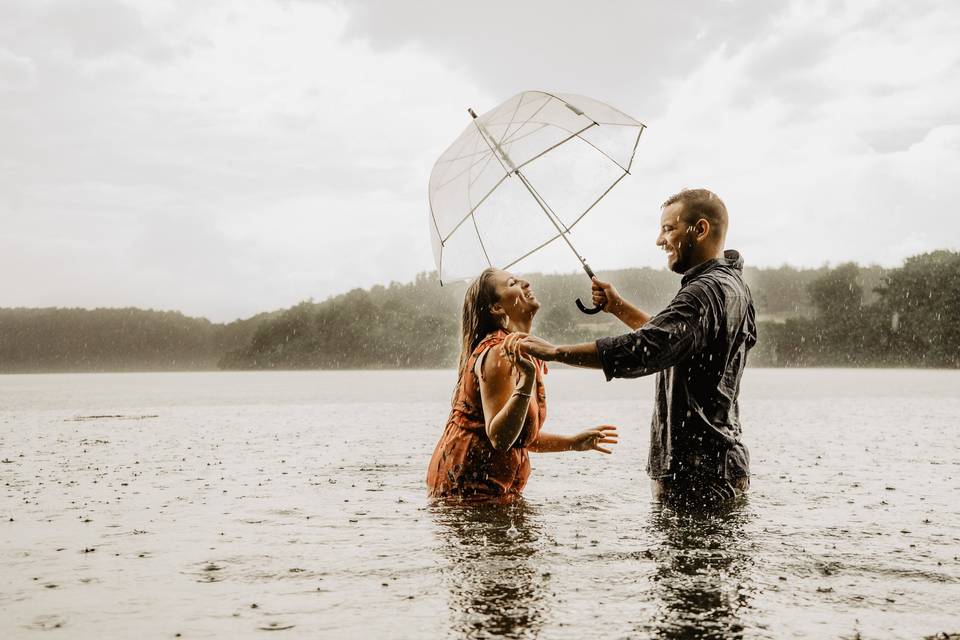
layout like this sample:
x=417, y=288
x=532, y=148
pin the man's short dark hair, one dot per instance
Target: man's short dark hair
x=701, y=203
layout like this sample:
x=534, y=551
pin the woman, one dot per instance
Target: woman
x=499, y=403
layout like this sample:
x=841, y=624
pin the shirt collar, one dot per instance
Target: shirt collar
x=731, y=259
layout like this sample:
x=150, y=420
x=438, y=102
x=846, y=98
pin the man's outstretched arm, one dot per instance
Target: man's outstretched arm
x=578, y=355
x=670, y=337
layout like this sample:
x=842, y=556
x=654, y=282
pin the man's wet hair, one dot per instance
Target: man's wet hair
x=701, y=203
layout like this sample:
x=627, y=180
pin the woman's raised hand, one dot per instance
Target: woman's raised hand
x=521, y=363
x=529, y=345
x=591, y=439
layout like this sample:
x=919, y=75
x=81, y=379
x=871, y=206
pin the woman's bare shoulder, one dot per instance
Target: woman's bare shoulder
x=493, y=365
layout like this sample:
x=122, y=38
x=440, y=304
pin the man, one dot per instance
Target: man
x=697, y=346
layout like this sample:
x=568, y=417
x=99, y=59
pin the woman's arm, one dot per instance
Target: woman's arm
x=591, y=439
x=506, y=386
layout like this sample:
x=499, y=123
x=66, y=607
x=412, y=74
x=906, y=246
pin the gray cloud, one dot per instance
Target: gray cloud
x=224, y=159
x=93, y=29
x=17, y=73
x=621, y=50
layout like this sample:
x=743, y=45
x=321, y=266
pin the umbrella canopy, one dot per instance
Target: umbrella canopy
x=521, y=175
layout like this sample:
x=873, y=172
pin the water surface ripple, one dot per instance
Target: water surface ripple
x=229, y=504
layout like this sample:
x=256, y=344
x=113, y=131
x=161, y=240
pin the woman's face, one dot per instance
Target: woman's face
x=516, y=296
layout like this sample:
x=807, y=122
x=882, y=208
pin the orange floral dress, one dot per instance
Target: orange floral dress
x=464, y=464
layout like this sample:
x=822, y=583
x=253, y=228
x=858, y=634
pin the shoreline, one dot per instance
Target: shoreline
x=554, y=366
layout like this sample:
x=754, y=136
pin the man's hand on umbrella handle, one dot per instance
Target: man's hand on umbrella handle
x=605, y=295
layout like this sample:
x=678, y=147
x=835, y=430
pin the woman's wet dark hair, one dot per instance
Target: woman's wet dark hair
x=476, y=321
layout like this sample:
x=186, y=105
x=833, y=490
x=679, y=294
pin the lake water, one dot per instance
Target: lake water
x=223, y=505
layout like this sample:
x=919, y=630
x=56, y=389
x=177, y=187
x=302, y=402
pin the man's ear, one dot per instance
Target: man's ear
x=702, y=228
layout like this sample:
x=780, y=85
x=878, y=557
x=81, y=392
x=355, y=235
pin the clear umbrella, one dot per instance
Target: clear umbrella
x=521, y=175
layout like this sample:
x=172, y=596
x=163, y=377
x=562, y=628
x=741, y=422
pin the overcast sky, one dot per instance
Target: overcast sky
x=227, y=157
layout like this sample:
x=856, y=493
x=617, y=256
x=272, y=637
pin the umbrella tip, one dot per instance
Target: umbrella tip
x=472, y=114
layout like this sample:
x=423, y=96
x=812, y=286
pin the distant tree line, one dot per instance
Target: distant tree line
x=841, y=316
x=62, y=340
x=912, y=319
x=400, y=326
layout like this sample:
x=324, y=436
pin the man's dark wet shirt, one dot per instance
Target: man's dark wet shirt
x=698, y=347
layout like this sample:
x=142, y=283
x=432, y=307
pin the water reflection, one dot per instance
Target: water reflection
x=701, y=583
x=495, y=586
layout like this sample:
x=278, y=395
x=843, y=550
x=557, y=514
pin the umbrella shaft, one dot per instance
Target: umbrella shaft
x=563, y=232
x=511, y=168
x=498, y=151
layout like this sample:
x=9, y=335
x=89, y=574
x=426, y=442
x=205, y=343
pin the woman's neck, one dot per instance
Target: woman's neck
x=520, y=325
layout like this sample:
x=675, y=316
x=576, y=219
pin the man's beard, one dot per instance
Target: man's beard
x=683, y=252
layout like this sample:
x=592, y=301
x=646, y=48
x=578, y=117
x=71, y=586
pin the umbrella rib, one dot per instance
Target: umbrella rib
x=622, y=124
x=471, y=179
x=470, y=213
x=483, y=135
x=546, y=212
x=510, y=122
x=480, y=238
x=604, y=154
x=514, y=138
x=487, y=151
x=535, y=113
x=454, y=159
x=433, y=217
x=485, y=157
x=566, y=228
x=530, y=120
x=635, y=143
x=482, y=169
x=598, y=149
x=602, y=196
x=487, y=195
x=440, y=266
x=636, y=122
x=567, y=139
x=442, y=168
x=503, y=138
x=563, y=234
x=533, y=251
x=547, y=207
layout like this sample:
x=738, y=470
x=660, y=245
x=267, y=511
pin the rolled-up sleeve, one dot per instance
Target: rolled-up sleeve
x=671, y=336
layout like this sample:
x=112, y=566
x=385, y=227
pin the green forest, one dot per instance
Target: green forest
x=63, y=340
x=845, y=315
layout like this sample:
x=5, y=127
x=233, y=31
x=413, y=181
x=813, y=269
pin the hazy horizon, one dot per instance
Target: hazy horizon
x=455, y=283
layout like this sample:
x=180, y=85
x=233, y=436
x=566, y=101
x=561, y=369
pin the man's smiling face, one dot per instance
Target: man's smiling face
x=676, y=238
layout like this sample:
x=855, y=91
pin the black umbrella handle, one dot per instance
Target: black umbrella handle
x=587, y=311
x=592, y=310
